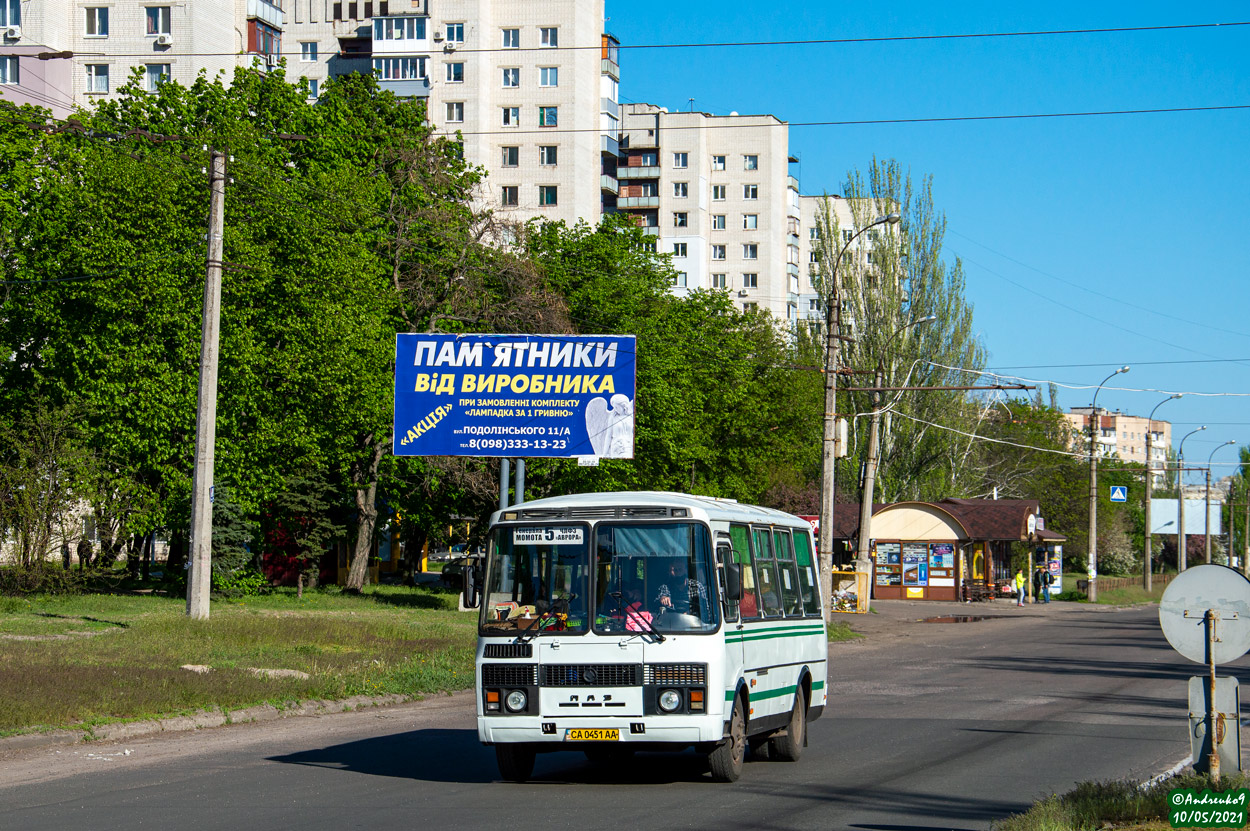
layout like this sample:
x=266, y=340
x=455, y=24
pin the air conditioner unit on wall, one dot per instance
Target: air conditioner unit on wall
x=164, y=40
x=13, y=33
x=271, y=61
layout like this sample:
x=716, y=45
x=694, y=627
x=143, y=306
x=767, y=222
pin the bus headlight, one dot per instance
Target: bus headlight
x=516, y=701
x=669, y=700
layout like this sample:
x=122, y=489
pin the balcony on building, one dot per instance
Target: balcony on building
x=608, y=184
x=401, y=35
x=627, y=172
x=638, y=202
x=610, y=57
x=266, y=11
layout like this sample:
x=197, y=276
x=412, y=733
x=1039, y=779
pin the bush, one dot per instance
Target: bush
x=243, y=582
x=37, y=579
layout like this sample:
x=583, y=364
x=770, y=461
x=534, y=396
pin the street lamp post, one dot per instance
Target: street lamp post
x=1150, y=482
x=829, y=451
x=870, y=467
x=1182, y=549
x=1092, y=567
x=1206, y=521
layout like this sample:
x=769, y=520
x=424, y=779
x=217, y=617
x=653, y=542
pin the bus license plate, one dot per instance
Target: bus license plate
x=579, y=734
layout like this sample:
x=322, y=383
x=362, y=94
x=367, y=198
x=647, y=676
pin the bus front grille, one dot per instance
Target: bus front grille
x=686, y=675
x=591, y=675
x=509, y=675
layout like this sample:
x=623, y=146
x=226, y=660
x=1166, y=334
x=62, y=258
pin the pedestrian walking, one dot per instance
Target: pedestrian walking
x=1020, y=586
x=1048, y=580
x=1037, y=584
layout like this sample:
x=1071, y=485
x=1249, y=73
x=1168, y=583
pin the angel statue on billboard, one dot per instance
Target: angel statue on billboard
x=611, y=431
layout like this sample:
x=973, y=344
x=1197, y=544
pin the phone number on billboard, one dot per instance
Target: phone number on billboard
x=517, y=444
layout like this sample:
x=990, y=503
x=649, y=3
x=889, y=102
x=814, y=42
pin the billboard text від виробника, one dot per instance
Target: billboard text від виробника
x=561, y=396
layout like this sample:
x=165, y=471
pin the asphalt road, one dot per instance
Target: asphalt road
x=936, y=726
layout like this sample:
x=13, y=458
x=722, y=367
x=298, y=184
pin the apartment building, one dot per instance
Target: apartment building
x=716, y=193
x=1123, y=436
x=60, y=54
x=532, y=88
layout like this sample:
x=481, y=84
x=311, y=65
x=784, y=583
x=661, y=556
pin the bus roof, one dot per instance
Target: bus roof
x=710, y=507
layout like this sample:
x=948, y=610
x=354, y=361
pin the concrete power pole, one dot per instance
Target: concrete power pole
x=199, y=579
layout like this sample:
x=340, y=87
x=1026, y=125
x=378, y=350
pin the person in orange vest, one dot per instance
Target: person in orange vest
x=1020, y=582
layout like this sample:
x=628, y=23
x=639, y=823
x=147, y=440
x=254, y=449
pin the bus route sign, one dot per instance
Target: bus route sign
x=556, y=396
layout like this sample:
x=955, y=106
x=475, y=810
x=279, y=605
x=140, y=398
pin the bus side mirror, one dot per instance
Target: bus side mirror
x=733, y=582
x=469, y=593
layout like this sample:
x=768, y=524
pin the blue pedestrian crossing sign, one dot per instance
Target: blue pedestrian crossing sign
x=1119, y=493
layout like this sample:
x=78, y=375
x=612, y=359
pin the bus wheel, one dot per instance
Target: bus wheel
x=516, y=761
x=726, y=759
x=788, y=747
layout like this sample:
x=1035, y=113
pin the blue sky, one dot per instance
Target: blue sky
x=1097, y=240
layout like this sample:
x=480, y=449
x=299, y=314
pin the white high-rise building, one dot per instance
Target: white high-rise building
x=717, y=194
x=60, y=54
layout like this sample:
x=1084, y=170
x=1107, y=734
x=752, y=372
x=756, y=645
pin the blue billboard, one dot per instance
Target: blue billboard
x=560, y=396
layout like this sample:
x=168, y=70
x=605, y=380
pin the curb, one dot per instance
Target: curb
x=197, y=721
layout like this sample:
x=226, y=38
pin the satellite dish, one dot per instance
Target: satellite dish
x=1185, y=602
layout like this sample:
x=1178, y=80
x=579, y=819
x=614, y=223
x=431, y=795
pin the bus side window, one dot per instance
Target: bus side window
x=724, y=557
x=770, y=597
x=791, y=599
x=739, y=537
x=807, y=573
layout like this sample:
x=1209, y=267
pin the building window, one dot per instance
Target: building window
x=719, y=281
x=847, y=236
x=718, y=162
x=679, y=279
x=455, y=73
x=97, y=77
x=308, y=51
x=814, y=257
x=511, y=77
x=681, y=160
x=157, y=20
x=750, y=281
x=455, y=112
x=813, y=233
x=648, y=159
x=718, y=222
x=511, y=116
x=548, y=116
x=314, y=88
x=751, y=162
x=679, y=249
x=750, y=191
x=549, y=36
x=155, y=75
x=10, y=15
x=813, y=305
x=511, y=156
x=455, y=33
x=97, y=22
x=681, y=190
x=750, y=221
x=718, y=193
x=509, y=197
x=263, y=39
x=547, y=195
x=750, y=251
x=8, y=70
x=680, y=219
x=399, y=69
x=718, y=252
x=547, y=154
x=749, y=307
x=549, y=76
x=511, y=38
x=398, y=28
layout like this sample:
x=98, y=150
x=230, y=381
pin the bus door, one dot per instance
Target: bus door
x=747, y=607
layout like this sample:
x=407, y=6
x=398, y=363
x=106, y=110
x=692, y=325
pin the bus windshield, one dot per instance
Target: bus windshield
x=654, y=577
x=537, y=580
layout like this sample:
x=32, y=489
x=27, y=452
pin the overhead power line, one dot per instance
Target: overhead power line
x=739, y=44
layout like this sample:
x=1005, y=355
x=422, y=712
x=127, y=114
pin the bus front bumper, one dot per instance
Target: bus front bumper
x=676, y=730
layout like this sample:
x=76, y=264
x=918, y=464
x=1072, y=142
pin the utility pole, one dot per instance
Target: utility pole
x=1092, y=566
x=199, y=579
x=1150, y=482
x=1182, y=541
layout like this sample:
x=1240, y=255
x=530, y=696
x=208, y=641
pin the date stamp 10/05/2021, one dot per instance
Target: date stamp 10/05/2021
x=1191, y=808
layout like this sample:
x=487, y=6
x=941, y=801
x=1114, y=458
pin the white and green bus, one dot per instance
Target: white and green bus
x=618, y=622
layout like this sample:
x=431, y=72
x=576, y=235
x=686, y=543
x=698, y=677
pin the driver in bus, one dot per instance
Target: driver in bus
x=682, y=594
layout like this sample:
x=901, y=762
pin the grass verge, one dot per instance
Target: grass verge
x=841, y=631
x=1127, y=806
x=85, y=660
